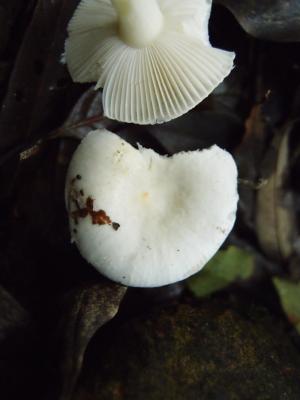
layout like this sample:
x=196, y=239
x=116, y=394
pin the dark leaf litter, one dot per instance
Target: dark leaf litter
x=54, y=307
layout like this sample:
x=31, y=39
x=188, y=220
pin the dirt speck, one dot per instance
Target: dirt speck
x=82, y=210
x=116, y=226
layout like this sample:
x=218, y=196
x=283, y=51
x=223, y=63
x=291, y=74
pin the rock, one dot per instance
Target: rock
x=186, y=352
x=276, y=20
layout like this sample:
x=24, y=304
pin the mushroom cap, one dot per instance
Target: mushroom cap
x=147, y=220
x=157, y=68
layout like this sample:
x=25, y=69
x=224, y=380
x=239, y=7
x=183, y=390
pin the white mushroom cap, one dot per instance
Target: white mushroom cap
x=147, y=220
x=152, y=57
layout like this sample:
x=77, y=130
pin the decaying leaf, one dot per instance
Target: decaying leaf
x=12, y=315
x=289, y=294
x=39, y=84
x=227, y=267
x=38, y=78
x=275, y=218
x=86, y=115
x=197, y=130
x=14, y=15
x=248, y=156
x=22, y=367
x=30, y=152
x=276, y=20
x=88, y=308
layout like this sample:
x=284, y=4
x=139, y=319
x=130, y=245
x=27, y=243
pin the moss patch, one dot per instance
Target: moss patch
x=188, y=352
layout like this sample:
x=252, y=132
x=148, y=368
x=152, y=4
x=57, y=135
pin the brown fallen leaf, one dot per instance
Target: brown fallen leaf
x=86, y=115
x=275, y=217
x=249, y=156
x=88, y=308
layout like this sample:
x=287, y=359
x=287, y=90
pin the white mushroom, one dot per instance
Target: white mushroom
x=152, y=57
x=148, y=220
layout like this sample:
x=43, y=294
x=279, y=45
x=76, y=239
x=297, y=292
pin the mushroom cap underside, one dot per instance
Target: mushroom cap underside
x=151, y=84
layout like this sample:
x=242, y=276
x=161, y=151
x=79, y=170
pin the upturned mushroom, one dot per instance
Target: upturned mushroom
x=152, y=58
x=147, y=220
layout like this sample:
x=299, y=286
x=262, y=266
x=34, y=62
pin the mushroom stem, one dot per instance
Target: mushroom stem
x=140, y=21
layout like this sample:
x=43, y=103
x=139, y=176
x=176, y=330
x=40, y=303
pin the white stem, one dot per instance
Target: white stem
x=140, y=21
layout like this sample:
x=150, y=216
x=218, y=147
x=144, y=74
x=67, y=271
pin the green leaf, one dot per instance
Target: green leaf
x=289, y=294
x=224, y=268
